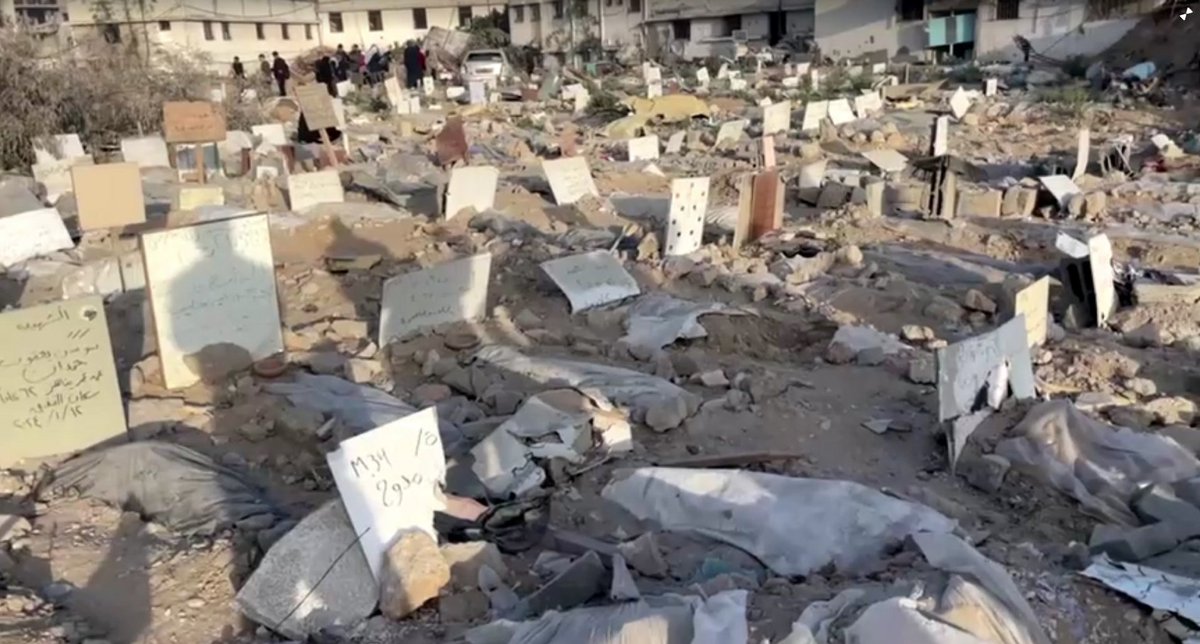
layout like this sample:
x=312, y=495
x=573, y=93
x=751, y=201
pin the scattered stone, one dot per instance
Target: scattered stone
x=922, y=371
x=1171, y=410
x=431, y=394
x=667, y=414
x=413, y=573
x=714, y=378
x=1137, y=544
x=977, y=301
x=363, y=371
x=527, y=319
x=1142, y=386
x=299, y=423
x=466, y=559
x=13, y=527
x=327, y=363
x=349, y=329
x=584, y=579
x=645, y=556
x=463, y=607
x=986, y=472
x=916, y=333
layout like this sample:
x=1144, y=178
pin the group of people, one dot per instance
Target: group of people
x=369, y=67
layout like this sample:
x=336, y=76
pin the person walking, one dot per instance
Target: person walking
x=281, y=72
x=239, y=70
x=412, y=65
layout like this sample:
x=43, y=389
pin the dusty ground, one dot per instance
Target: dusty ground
x=135, y=582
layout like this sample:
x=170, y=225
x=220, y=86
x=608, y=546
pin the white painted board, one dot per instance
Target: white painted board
x=1100, y=255
x=471, y=187
x=730, y=132
x=55, y=176
x=685, y=222
x=1061, y=186
x=311, y=188
x=1083, y=148
x=675, y=143
x=887, y=159
x=814, y=113
x=59, y=147
x=941, y=136
x=960, y=103
x=570, y=179
x=146, y=151
x=643, y=148
x=654, y=89
x=591, y=279
x=840, y=112
x=212, y=286
x=1033, y=302
x=867, y=104
x=30, y=234
x=453, y=291
x=388, y=480
x=272, y=133
x=478, y=92
x=777, y=118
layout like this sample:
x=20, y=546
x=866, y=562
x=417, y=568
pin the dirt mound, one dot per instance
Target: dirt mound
x=1162, y=38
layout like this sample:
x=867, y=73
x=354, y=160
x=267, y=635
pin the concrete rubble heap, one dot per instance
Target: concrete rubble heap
x=791, y=351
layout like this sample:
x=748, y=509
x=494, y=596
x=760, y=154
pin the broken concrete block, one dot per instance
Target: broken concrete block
x=1139, y=543
x=1158, y=504
x=584, y=579
x=644, y=555
x=466, y=559
x=922, y=371
x=986, y=472
x=314, y=577
x=299, y=423
x=13, y=527
x=1171, y=410
x=413, y=573
x=667, y=414
x=977, y=301
x=362, y=371
x=980, y=204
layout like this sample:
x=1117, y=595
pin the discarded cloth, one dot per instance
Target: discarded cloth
x=793, y=525
x=657, y=320
x=670, y=619
x=169, y=484
x=1097, y=465
x=636, y=390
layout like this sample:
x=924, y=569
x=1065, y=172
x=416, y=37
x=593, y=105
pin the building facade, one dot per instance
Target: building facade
x=388, y=22
x=553, y=26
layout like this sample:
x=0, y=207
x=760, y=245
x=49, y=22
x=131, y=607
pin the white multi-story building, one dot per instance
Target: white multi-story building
x=555, y=25
x=388, y=22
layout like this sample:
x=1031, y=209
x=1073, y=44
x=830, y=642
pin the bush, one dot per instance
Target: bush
x=99, y=91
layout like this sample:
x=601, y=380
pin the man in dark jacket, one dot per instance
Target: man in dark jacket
x=326, y=75
x=281, y=72
x=412, y=65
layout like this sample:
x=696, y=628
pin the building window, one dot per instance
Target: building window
x=464, y=16
x=112, y=34
x=283, y=32
x=730, y=24
x=308, y=32
x=164, y=25
x=1008, y=9
x=208, y=32
x=557, y=6
x=260, y=31
x=535, y=13
x=519, y=13
x=375, y=20
x=912, y=9
x=419, y=21
x=635, y=6
x=225, y=35
x=681, y=29
x=335, y=23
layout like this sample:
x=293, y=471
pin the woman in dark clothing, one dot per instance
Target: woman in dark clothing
x=412, y=65
x=307, y=135
x=326, y=75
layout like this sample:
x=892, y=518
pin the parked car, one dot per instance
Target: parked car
x=490, y=65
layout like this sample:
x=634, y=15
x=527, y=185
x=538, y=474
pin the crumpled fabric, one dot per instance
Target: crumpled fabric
x=1096, y=464
x=358, y=407
x=168, y=484
x=670, y=619
x=657, y=320
x=793, y=525
x=638, y=391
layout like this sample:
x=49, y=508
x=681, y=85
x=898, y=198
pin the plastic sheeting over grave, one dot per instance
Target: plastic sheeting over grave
x=169, y=484
x=670, y=619
x=978, y=604
x=1096, y=464
x=657, y=320
x=636, y=390
x=358, y=407
x=793, y=525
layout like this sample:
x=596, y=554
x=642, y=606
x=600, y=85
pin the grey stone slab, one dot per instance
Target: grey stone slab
x=584, y=579
x=964, y=367
x=287, y=593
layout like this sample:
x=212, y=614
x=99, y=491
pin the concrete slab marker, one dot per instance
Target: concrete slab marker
x=471, y=187
x=814, y=113
x=108, y=195
x=570, y=179
x=311, y=188
x=777, y=118
x=1033, y=302
x=30, y=234
x=643, y=148
x=840, y=112
x=1083, y=150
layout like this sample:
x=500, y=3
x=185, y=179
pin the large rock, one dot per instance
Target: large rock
x=413, y=573
x=465, y=560
x=278, y=595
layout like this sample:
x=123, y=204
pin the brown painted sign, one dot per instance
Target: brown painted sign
x=193, y=122
x=317, y=105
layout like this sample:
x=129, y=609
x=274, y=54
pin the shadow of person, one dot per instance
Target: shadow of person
x=117, y=595
x=357, y=262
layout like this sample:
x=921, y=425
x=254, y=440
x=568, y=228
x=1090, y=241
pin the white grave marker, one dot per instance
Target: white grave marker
x=1033, y=302
x=814, y=79
x=675, y=143
x=395, y=95
x=1100, y=256
x=738, y=84
x=777, y=118
x=30, y=234
x=730, y=132
x=212, y=291
x=146, y=151
x=643, y=148
x=311, y=188
x=55, y=176
x=388, y=480
x=591, y=279
x=685, y=223
x=272, y=133
x=802, y=69
x=1083, y=150
x=582, y=98
x=478, y=92
x=723, y=71
x=193, y=197
x=427, y=85
x=812, y=175
x=990, y=87
x=959, y=103
x=878, y=68
x=471, y=187
x=453, y=291
x=840, y=112
x=654, y=90
x=814, y=113
x=58, y=380
x=941, y=136
x=570, y=179
x=702, y=77
x=60, y=147
x=867, y=104
x=344, y=88
x=1061, y=186
x=887, y=160
x=651, y=73
x=339, y=113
